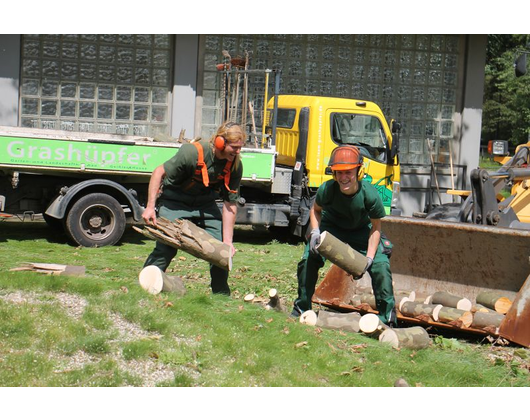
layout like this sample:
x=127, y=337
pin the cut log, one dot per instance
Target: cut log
x=341, y=254
x=456, y=317
x=409, y=338
x=416, y=309
x=364, y=290
x=184, y=235
x=371, y=324
x=487, y=319
x=54, y=269
x=497, y=301
x=309, y=318
x=339, y=321
x=154, y=280
x=477, y=307
x=355, y=300
x=275, y=302
x=369, y=300
x=398, y=294
x=249, y=297
x=447, y=299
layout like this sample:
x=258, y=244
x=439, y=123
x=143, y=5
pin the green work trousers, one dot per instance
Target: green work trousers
x=205, y=215
x=380, y=273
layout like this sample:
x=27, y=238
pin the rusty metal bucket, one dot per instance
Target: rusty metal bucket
x=460, y=258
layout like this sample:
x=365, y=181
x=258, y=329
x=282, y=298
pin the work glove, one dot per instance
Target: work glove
x=369, y=262
x=314, y=241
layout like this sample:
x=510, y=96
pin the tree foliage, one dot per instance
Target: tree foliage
x=506, y=110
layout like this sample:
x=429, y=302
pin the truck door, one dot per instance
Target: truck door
x=367, y=132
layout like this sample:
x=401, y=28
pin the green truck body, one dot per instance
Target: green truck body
x=48, y=172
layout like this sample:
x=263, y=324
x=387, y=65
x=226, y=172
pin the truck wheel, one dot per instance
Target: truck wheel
x=95, y=220
x=53, y=223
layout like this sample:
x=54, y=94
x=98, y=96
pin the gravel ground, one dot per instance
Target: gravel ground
x=151, y=372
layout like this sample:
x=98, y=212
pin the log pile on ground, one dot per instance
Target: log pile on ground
x=369, y=324
x=184, y=235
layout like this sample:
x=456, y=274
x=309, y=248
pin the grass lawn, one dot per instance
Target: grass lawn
x=104, y=330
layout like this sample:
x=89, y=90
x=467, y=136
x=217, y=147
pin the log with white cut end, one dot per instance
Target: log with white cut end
x=455, y=316
x=154, y=280
x=308, y=318
x=420, y=310
x=477, y=307
x=184, y=235
x=275, y=302
x=497, y=301
x=341, y=254
x=398, y=294
x=249, y=297
x=371, y=324
x=409, y=338
x=448, y=299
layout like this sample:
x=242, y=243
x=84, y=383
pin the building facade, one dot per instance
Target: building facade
x=149, y=85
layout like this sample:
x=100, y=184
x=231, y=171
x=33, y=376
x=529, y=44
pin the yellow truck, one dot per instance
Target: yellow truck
x=302, y=131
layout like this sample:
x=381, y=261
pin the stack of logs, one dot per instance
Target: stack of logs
x=440, y=309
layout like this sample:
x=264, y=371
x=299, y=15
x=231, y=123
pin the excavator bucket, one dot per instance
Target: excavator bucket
x=515, y=326
x=459, y=258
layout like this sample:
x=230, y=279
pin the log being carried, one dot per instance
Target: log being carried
x=184, y=235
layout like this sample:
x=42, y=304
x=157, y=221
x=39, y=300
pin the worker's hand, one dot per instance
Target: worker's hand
x=233, y=250
x=149, y=216
x=314, y=241
x=369, y=262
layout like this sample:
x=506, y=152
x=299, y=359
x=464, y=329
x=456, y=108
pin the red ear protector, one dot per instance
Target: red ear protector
x=220, y=143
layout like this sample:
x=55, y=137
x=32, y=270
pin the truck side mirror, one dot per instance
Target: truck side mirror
x=520, y=65
x=395, y=127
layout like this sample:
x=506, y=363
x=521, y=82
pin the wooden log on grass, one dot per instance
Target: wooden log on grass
x=184, y=235
x=53, y=269
x=371, y=324
x=409, y=338
x=348, y=322
x=154, y=280
x=339, y=321
x=275, y=301
x=341, y=254
x=498, y=301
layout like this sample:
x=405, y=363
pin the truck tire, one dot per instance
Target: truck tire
x=95, y=220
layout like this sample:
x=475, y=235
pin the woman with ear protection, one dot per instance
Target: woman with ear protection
x=351, y=210
x=191, y=182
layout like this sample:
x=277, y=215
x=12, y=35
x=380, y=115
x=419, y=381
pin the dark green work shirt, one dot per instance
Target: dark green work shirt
x=349, y=212
x=180, y=169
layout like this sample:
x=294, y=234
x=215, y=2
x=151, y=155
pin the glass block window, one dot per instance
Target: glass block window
x=117, y=84
x=413, y=78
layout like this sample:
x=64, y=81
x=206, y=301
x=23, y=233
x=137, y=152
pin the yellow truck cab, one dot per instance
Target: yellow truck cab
x=308, y=128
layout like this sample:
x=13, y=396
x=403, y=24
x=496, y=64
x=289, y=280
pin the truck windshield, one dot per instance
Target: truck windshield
x=364, y=131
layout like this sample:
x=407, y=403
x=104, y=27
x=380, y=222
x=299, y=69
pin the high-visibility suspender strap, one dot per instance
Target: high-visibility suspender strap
x=201, y=167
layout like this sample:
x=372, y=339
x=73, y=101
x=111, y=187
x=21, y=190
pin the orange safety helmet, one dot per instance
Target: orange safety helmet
x=345, y=157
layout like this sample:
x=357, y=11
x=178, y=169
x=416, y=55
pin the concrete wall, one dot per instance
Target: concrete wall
x=9, y=79
x=418, y=186
x=185, y=85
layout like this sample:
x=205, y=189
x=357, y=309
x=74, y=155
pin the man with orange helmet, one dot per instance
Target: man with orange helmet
x=351, y=210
